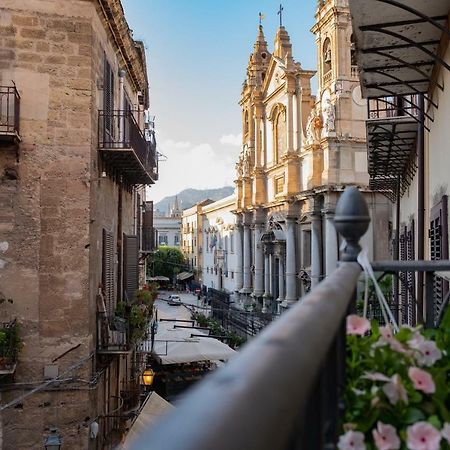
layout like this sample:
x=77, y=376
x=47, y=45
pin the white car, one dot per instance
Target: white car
x=174, y=300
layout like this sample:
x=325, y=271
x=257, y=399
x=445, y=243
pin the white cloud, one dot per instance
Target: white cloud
x=193, y=166
x=231, y=139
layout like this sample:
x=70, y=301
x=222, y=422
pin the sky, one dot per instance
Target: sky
x=197, y=55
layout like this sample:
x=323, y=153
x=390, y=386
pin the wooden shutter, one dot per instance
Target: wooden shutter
x=138, y=220
x=130, y=267
x=403, y=306
x=108, y=272
x=148, y=235
x=438, y=234
x=108, y=97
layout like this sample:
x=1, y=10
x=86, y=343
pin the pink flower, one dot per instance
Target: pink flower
x=446, y=432
x=357, y=325
x=352, y=440
x=422, y=436
x=427, y=351
x=376, y=376
x=385, y=437
x=387, y=338
x=422, y=380
x=395, y=391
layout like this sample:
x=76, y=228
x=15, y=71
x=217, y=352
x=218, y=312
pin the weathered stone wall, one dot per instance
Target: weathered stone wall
x=53, y=207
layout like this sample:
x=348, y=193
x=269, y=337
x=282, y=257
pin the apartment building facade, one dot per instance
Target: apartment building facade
x=75, y=155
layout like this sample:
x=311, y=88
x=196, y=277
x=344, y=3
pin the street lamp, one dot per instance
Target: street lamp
x=147, y=377
x=53, y=441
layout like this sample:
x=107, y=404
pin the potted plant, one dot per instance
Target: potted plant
x=397, y=395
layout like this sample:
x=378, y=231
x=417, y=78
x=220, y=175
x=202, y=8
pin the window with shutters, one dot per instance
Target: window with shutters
x=148, y=231
x=138, y=220
x=108, y=97
x=130, y=267
x=438, y=235
x=108, y=278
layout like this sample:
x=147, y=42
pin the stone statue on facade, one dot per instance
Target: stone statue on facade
x=329, y=117
x=313, y=127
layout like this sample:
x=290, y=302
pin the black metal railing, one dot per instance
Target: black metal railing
x=393, y=107
x=9, y=111
x=118, y=130
x=111, y=334
x=10, y=344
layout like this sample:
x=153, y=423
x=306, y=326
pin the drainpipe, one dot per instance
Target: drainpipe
x=420, y=205
x=121, y=105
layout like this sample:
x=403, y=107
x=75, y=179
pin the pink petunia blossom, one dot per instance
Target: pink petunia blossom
x=376, y=376
x=357, y=325
x=422, y=380
x=395, y=391
x=352, y=440
x=445, y=432
x=385, y=437
x=427, y=352
x=422, y=436
x=387, y=338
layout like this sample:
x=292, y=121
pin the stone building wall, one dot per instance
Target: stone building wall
x=54, y=204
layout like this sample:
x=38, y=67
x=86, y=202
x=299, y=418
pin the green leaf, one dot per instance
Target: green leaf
x=434, y=420
x=413, y=415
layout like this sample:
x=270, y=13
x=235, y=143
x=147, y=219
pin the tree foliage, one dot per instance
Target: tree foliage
x=167, y=261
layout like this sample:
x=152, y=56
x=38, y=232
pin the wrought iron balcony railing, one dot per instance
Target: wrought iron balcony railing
x=9, y=114
x=127, y=149
x=392, y=130
x=111, y=335
x=284, y=389
x=10, y=344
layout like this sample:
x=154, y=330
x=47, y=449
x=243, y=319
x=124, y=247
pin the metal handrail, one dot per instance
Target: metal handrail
x=262, y=399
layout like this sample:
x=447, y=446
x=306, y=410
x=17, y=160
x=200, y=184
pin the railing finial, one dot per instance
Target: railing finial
x=351, y=221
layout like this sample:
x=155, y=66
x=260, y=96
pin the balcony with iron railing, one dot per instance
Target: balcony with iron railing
x=112, y=334
x=126, y=148
x=9, y=115
x=284, y=390
x=392, y=127
x=10, y=344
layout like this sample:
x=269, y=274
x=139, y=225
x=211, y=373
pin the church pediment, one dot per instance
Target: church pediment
x=275, y=77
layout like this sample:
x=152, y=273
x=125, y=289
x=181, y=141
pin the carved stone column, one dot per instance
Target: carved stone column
x=291, y=263
x=239, y=254
x=331, y=243
x=258, y=288
x=267, y=297
x=247, y=287
x=316, y=248
x=281, y=278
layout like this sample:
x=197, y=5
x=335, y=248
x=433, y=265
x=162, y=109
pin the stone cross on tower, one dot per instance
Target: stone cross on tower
x=261, y=18
x=280, y=13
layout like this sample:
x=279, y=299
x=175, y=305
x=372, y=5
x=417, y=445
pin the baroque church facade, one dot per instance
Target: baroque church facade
x=299, y=151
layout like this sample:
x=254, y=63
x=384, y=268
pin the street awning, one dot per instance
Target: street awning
x=154, y=408
x=397, y=44
x=159, y=278
x=184, y=276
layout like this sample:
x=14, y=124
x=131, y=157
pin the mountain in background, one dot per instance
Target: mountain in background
x=189, y=197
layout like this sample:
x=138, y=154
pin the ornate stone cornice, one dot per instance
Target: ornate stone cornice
x=132, y=51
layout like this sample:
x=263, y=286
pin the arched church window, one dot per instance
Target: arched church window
x=279, y=133
x=352, y=50
x=326, y=56
x=246, y=123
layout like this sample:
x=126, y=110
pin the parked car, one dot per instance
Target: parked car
x=174, y=300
